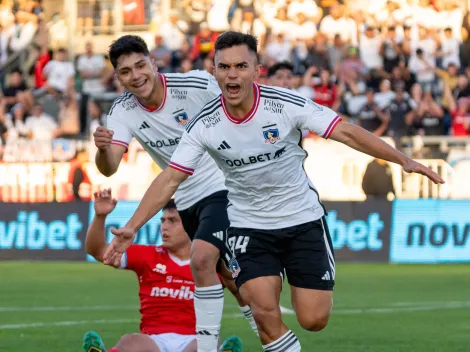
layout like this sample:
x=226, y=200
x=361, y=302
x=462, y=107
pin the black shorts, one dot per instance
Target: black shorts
x=304, y=251
x=207, y=220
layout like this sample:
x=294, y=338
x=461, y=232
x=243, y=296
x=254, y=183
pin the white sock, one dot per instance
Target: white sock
x=209, y=305
x=246, y=310
x=286, y=343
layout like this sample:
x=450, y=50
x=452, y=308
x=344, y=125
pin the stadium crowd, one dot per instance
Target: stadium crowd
x=399, y=68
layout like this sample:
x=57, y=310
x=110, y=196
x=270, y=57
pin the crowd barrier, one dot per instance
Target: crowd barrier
x=402, y=231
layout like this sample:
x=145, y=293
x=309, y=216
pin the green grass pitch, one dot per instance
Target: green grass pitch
x=377, y=308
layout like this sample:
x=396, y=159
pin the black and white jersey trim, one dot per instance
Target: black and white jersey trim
x=123, y=97
x=210, y=107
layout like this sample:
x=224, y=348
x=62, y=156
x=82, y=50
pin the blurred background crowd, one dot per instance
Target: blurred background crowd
x=399, y=68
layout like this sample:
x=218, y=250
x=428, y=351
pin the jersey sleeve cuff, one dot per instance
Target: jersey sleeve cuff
x=331, y=127
x=181, y=168
x=121, y=143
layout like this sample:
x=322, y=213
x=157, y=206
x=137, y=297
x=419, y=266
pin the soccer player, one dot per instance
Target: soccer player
x=155, y=110
x=281, y=74
x=276, y=218
x=166, y=284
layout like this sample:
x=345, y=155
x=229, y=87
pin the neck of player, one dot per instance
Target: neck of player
x=156, y=97
x=182, y=253
x=239, y=111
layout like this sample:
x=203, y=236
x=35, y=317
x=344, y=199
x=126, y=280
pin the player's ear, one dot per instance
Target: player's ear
x=257, y=72
x=153, y=62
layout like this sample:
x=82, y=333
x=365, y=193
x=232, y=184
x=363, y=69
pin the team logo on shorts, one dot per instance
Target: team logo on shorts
x=271, y=134
x=234, y=267
x=181, y=117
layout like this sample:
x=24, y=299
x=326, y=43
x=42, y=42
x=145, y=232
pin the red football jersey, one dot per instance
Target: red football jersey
x=166, y=291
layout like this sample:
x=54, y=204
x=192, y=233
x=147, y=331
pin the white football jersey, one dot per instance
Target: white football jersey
x=261, y=156
x=159, y=131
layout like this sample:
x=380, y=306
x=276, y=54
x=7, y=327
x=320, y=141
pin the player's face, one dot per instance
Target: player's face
x=235, y=70
x=173, y=235
x=136, y=73
x=282, y=78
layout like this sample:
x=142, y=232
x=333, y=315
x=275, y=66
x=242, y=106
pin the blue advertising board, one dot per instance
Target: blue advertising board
x=430, y=231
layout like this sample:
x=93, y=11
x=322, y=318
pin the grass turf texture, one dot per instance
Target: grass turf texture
x=377, y=307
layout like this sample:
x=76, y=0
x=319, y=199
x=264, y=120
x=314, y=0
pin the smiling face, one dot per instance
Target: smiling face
x=136, y=73
x=235, y=70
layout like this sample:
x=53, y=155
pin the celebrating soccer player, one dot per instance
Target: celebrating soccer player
x=166, y=290
x=276, y=218
x=155, y=110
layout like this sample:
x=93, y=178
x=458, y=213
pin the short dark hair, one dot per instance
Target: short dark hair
x=284, y=65
x=170, y=205
x=126, y=45
x=232, y=38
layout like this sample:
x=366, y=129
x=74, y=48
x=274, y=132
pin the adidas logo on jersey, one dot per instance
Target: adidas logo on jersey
x=326, y=276
x=180, y=293
x=224, y=145
x=219, y=235
x=144, y=125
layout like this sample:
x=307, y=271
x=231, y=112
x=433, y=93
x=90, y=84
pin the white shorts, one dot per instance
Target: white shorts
x=172, y=342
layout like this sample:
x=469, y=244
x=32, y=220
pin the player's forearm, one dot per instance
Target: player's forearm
x=365, y=142
x=158, y=194
x=105, y=162
x=95, y=242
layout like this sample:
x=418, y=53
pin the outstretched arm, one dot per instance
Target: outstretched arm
x=158, y=194
x=365, y=142
x=95, y=242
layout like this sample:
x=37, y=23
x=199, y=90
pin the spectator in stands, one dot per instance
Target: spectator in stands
x=203, y=45
x=162, y=54
x=69, y=120
x=196, y=10
x=5, y=34
x=186, y=66
x=308, y=8
x=57, y=72
x=377, y=182
x=3, y=124
x=16, y=126
x=336, y=53
x=390, y=50
x=326, y=92
x=369, y=49
x=428, y=118
x=44, y=56
x=41, y=126
x=23, y=31
x=401, y=77
x=281, y=24
x=423, y=69
x=14, y=92
x=371, y=117
x=428, y=45
x=174, y=34
x=338, y=23
x=281, y=75
x=217, y=16
x=251, y=25
x=450, y=49
x=401, y=111
x=90, y=67
x=318, y=53
x=352, y=63
x=460, y=112
x=278, y=50
x=79, y=183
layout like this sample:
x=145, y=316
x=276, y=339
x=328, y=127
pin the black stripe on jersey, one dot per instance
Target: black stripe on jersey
x=170, y=78
x=216, y=106
x=284, y=94
x=123, y=97
x=169, y=81
x=213, y=103
x=274, y=96
x=170, y=85
x=303, y=168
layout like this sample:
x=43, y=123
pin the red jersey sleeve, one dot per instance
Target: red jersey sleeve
x=137, y=256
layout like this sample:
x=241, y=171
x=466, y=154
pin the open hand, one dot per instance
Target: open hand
x=123, y=238
x=415, y=167
x=104, y=203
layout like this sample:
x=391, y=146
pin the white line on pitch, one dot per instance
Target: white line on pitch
x=450, y=305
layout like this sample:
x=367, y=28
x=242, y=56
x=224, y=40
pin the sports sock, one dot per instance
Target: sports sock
x=246, y=310
x=286, y=343
x=209, y=305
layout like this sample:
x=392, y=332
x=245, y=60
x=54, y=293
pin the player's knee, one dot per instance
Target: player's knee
x=314, y=321
x=265, y=315
x=203, y=261
x=132, y=343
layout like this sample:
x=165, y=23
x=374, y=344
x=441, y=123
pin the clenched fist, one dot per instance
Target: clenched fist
x=103, y=137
